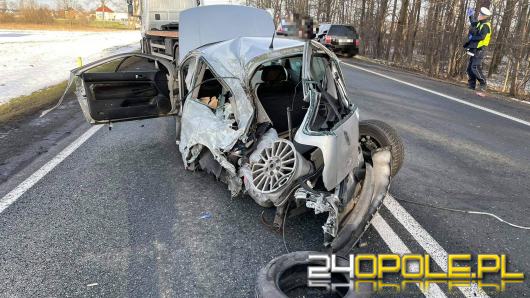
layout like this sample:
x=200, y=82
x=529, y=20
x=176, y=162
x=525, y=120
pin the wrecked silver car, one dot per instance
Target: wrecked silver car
x=269, y=117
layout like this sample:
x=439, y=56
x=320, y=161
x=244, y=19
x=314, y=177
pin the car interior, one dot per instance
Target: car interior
x=209, y=90
x=131, y=87
x=278, y=87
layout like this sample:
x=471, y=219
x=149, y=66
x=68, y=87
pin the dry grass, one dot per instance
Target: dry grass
x=493, y=87
x=57, y=27
x=28, y=104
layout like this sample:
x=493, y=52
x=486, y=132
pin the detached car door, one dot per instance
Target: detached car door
x=126, y=87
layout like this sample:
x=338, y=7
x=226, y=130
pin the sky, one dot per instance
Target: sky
x=93, y=4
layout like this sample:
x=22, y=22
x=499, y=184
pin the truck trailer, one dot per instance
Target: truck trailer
x=159, y=21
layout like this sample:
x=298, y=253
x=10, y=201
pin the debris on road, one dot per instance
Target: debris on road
x=205, y=215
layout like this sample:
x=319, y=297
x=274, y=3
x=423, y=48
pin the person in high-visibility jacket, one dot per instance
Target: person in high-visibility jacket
x=479, y=39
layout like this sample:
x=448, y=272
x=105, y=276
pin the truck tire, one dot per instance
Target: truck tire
x=375, y=134
x=145, y=46
x=289, y=272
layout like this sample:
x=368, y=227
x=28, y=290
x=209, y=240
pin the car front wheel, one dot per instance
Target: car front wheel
x=376, y=134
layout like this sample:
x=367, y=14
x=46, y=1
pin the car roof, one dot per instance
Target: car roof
x=235, y=55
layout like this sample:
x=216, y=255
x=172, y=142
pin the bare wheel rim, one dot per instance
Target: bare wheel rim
x=275, y=167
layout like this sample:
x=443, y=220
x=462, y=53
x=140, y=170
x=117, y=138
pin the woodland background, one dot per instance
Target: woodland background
x=427, y=35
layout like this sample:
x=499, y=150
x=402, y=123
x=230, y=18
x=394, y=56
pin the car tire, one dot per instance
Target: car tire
x=289, y=271
x=375, y=134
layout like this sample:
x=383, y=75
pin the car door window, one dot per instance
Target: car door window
x=187, y=70
x=345, y=31
x=126, y=64
x=208, y=89
x=213, y=94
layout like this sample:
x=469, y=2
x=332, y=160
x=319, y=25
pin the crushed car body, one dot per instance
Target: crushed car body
x=269, y=117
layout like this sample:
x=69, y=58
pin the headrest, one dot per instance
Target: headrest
x=273, y=73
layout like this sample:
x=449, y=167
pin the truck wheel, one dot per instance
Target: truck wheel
x=145, y=46
x=286, y=276
x=375, y=134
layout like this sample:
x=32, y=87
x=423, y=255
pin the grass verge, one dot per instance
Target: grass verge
x=29, y=104
x=492, y=89
x=67, y=25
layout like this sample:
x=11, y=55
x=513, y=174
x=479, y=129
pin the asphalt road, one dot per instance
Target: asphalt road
x=121, y=217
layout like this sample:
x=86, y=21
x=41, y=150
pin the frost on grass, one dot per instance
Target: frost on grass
x=32, y=60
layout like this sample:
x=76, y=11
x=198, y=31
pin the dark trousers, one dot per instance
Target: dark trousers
x=474, y=70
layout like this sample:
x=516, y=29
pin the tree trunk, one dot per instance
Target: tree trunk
x=520, y=38
x=392, y=28
x=399, y=35
x=383, y=7
x=502, y=37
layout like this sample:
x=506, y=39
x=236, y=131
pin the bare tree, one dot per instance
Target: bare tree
x=427, y=35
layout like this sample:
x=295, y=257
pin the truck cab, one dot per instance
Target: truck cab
x=160, y=24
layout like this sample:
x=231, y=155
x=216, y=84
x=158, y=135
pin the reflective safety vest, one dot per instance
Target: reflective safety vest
x=486, y=40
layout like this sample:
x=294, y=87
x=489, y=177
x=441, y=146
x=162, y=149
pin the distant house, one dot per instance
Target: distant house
x=103, y=13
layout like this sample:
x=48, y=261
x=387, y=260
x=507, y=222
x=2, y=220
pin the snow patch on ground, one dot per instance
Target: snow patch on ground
x=32, y=60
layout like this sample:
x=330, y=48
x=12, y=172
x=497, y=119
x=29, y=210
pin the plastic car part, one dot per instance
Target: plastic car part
x=322, y=202
x=354, y=222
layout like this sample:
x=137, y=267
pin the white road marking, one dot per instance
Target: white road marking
x=433, y=248
x=521, y=121
x=13, y=195
x=397, y=246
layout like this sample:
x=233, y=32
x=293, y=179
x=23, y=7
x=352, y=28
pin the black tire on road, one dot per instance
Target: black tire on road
x=375, y=134
x=288, y=273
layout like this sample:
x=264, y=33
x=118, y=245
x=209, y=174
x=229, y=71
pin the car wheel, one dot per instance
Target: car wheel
x=375, y=134
x=286, y=276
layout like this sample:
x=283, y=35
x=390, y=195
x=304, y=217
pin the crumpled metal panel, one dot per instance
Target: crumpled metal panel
x=339, y=147
x=201, y=125
x=228, y=60
x=235, y=55
x=264, y=200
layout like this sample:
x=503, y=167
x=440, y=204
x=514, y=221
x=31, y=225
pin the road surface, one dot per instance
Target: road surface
x=93, y=212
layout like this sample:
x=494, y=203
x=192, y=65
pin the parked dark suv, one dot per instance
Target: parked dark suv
x=339, y=38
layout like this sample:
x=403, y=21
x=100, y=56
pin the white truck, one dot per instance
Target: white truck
x=159, y=21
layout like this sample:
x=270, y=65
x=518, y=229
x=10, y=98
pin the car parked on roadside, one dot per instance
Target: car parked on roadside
x=341, y=39
x=271, y=119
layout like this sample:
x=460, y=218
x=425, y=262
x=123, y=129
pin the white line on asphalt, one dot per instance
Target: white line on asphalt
x=397, y=246
x=435, y=250
x=13, y=195
x=441, y=94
